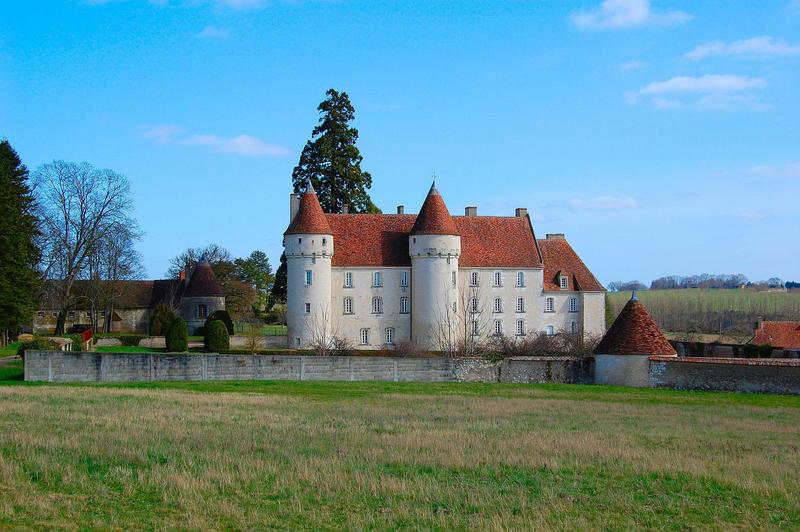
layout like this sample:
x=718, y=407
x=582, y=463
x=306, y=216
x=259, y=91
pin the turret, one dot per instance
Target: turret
x=434, y=245
x=202, y=296
x=308, y=244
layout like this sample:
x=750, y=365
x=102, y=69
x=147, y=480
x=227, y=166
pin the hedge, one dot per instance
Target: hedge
x=216, y=336
x=177, y=337
x=224, y=317
x=161, y=320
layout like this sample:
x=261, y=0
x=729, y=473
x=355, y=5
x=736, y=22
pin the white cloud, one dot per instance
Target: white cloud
x=245, y=145
x=213, y=32
x=240, y=145
x=632, y=65
x=162, y=134
x=789, y=170
x=753, y=48
x=707, y=83
x=604, y=203
x=618, y=14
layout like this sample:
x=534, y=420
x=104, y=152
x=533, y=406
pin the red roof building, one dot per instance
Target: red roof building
x=634, y=333
x=778, y=334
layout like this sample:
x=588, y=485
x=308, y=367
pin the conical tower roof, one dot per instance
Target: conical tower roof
x=310, y=218
x=203, y=282
x=634, y=333
x=433, y=217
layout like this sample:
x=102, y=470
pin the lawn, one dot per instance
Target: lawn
x=9, y=349
x=385, y=455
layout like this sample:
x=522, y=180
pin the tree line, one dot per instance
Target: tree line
x=72, y=222
x=704, y=280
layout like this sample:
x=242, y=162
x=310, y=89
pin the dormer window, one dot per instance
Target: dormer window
x=563, y=282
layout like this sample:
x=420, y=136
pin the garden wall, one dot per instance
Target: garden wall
x=57, y=366
x=726, y=374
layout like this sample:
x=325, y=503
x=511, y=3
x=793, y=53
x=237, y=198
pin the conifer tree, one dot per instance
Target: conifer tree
x=19, y=254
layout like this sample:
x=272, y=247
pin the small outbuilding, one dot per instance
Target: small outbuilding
x=622, y=356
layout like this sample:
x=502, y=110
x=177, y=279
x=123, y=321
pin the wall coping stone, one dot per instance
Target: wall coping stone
x=792, y=362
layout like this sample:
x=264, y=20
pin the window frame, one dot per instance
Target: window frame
x=520, y=279
x=520, y=328
x=563, y=282
x=202, y=311
x=497, y=328
x=520, y=308
x=348, y=279
x=497, y=306
x=550, y=330
x=308, y=307
x=363, y=336
x=403, y=279
x=309, y=277
x=377, y=305
x=377, y=279
x=474, y=279
x=389, y=335
x=404, y=305
x=550, y=304
x=573, y=304
x=497, y=279
x=473, y=305
x=348, y=302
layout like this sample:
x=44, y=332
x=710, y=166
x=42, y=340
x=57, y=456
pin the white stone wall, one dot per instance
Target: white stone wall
x=561, y=319
x=594, y=313
x=308, y=253
x=349, y=326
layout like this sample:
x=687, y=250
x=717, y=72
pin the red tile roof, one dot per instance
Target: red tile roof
x=433, y=217
x=130, y=294
x=203, y=282
x=634, y=333
x=780, y=334
x=310, y=219
x=497, y=241
x=560, y=259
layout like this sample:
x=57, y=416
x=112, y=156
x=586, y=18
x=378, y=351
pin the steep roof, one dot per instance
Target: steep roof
x=634, y=333
x=203, y=282
x=780, y=334
x=560, y=259
x=127, y=294
x=486, y=241
x=310, y=219
x=433, y=217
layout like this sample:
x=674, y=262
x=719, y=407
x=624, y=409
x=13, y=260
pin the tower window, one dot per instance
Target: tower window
x=403, y=305
x=574, y=327
x=520, y=304
x=377, y=305
x=498, y=304
x=308, y=277
x=308, y=308
x=377, y=279
x=348, y=280
x=348, y=305
x=299, y=240
x=202, y=311
x=498, y=279
x=390, y=336
x=403, y=279
x=473, y=279
x=364, y=336
x=520, y=327
x=324, y=241
x=520, y=279
x=549, y=305
x=573, y=304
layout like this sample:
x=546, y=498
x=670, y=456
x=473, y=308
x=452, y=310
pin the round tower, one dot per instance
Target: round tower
x=308, y=244
x=202, y=296
x=434, y=245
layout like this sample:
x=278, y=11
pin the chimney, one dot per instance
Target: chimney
x=520, y=212
x=401, y=209
x=470, y=211
x=294, y=206
x=345, y=209
x=759, y=323
x=182, y=275
x=555, y=236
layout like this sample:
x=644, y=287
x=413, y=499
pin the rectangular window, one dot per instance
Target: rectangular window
x=520, y=328
x=202, y=311
x=498, y=304
x=550, y=330
x=403, y=279
x=520, y=279
x=549, y=305
x=390, y=336
x=475, y=328
x=453, y=277
x=454, y=307
x=498, y=327
x=563, y=281
x=364, y=336
x=473, y=279
x=308, y=277
x=308, y=308
x=40, y=314
x=574, y=327
x=498, y=279
x=403, y=305
x=473, y=304
x=377, y=279
x=520, y=304
x=348, y=280
x=377, y=305
x=348, y=305
x=573, y=304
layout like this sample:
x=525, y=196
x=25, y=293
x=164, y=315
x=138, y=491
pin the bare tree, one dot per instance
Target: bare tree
x=324, y=334
x=463, y=321
x=79, y=207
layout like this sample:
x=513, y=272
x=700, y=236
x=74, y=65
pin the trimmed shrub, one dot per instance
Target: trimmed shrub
x=130, y=339
x=219, y=315
x=161, y=320
x=216, y=336
x=177, y=337
x=37, y=343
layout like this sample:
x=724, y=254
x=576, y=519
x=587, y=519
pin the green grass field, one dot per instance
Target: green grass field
x=385, y=455
x=732, y=312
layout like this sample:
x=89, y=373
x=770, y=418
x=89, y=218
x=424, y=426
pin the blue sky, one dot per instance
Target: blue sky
x=662, y=137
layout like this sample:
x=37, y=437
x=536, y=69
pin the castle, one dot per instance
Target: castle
x=431, y=279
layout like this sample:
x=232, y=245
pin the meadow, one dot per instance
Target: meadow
x=385, y=455
x=711, y=311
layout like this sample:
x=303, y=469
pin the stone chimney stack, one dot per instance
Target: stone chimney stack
x=401, y=209
x=294, y=206
x=345, y=209
x=555, y=236
x=470, y=211
x=520, y=212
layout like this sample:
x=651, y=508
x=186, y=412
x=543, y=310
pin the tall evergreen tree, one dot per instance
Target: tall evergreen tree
x=332, y=161
x=19, y=254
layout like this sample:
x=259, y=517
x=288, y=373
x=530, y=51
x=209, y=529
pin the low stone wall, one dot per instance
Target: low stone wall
x=726, y=374
x=56, y=366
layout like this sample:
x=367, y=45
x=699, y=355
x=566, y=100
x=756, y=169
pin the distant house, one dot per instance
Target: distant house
x=126, y=306
x=778, y=334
